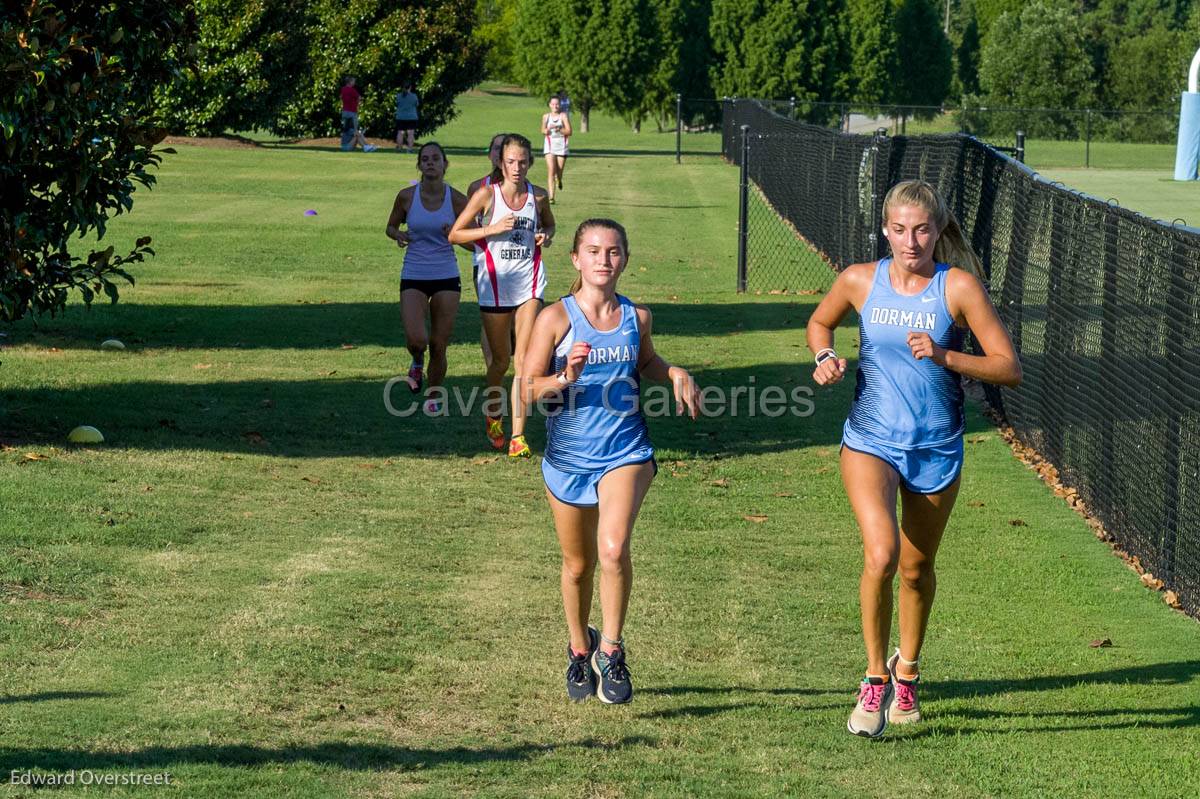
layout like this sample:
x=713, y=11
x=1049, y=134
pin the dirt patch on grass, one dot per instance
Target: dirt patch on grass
x=335, y=142
x=12, y=592
x=220, y=142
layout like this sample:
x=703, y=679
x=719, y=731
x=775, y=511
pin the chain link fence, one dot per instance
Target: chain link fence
x=1059, y=137
x=1102, y=303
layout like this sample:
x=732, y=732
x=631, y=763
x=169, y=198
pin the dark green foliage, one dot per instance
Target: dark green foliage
x=495, y=21
x=542, y=53
x=1148, y=72
x=248, y=56
x=872, y=35
x=988, y=11
x=1114, y=31
x=1036, y=59
x=966, y=58
x=603, y=52
x=924, y=60
x=780, y=48
x=684, y=55
x=78, y=130
x=278, y=65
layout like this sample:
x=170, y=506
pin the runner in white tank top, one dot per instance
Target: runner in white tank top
x=512, y=272
x=556, y=128
x=513, y=279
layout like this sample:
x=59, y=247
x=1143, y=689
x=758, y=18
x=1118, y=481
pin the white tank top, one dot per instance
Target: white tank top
x=514, y=250
x=555, y=124
x=512, y=271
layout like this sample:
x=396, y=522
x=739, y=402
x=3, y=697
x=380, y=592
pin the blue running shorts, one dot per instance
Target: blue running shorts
x=580, y=489
x=927, y=470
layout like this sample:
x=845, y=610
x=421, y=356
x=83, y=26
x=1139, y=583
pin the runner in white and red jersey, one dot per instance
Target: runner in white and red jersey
x=514, y=222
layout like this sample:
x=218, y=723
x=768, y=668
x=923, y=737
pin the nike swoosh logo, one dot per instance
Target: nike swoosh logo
x=928, y=299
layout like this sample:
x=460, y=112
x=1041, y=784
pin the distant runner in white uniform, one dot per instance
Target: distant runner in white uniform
x=556, y=127
x=512, y=219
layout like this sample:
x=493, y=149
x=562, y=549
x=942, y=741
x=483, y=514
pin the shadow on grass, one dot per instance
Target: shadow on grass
x=1142, y=718
x=647, y=205
x=329, y=325
x=351, y=756
x=53, y=696
x=766, y=408
x=680, y=690
x=1166, y=674
x=943, y=722
x=704, y=711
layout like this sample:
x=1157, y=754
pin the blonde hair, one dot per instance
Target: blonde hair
x=584, y=227
x=951, y=247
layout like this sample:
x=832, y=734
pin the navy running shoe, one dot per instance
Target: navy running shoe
x=615, y=687
x=581, y=682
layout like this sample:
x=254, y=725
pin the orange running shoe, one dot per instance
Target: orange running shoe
x=517, y=448
x=495, y=432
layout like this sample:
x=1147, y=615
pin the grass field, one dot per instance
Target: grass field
x=265, y=585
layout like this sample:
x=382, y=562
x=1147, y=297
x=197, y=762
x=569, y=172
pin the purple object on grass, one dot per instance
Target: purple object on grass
x=310, y=212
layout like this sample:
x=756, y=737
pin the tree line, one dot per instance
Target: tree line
x=91, y=88
x=631, y=57
x=277, y=64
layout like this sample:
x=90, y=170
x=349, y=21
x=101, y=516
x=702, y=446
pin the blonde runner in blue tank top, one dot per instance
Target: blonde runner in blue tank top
x=898, y=400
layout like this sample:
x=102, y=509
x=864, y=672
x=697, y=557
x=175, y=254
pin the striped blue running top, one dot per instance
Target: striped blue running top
x=600, y=421
x=899, y=400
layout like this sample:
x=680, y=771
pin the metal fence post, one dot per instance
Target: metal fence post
x=1087, y=151
x=678, y=126
x=1020, y=153
x=873, y=224
x=743, y=210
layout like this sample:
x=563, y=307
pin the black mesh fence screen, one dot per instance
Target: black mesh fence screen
x=1103, y=305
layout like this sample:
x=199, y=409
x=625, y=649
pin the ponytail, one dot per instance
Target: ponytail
x=952, y=248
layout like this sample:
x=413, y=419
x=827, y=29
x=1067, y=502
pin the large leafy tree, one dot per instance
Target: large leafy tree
x=385, y=43
x=988, y=11
x=602, y=52
x=924, y=63
x=966, y=55
x=780, y=48
x=279, y=64
x=683, y=57
x=495, y=21
x=77, y=127
x=245, y=69
x=1037, y=59
x=1119, y=33
x=872, y=40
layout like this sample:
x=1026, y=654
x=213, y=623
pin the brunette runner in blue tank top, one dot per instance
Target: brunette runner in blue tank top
x=594, y=347
x=904, y=433
x=599, y=426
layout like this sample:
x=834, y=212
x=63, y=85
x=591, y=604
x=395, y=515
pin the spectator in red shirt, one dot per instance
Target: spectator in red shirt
x=351, y=135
